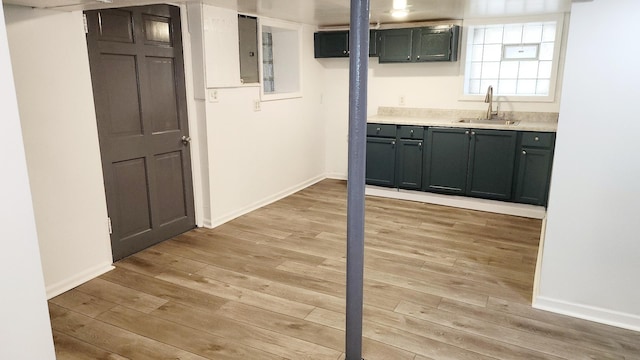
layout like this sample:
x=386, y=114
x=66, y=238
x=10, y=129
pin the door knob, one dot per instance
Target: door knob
x=185, y=140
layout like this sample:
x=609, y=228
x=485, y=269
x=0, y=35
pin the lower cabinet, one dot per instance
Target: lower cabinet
x=492, y=164
x=470, y=162
x=446, y=160
x=381, y=155
x=409, y=157
x=534, y=168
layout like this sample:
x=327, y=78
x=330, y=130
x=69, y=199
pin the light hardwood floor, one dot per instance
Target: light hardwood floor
x=440, y=283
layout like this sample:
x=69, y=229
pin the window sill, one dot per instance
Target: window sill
x=509, y=98
x=281, y=96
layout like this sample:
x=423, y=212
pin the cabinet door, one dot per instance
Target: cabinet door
x=409, y=157
x=373, y=42
x=395, y=45
x=491, y=164
x=446, y=160
x=432, y=44
x=381, y=161
x=331, y=44
x=534, y=168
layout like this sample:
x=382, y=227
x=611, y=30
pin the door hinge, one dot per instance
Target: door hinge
x=86, y=25
x=109, y=226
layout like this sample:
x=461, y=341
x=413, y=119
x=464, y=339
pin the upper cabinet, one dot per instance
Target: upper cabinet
x=329, y=44
x=433, y=43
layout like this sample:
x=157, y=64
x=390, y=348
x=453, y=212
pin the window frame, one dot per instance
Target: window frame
x=287, y=26
x=558, y=49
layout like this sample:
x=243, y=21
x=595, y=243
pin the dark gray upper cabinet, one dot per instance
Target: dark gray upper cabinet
x=434, y=43
x=534, y=167
x=330, y=44
x=395, y=45
x=491, y=164
x=446, y=160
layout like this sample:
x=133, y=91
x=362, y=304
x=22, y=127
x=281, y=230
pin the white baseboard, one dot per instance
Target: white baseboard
x=58, y=288
x=263, y=202
x=494, y=206
x=336, y=176
x=586, y=312
x=536, y=276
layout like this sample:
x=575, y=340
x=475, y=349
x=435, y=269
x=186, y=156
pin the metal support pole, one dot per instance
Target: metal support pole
x=358, y=72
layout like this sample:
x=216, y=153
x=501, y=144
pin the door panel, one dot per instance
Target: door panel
x=115, y=25
x=130, y=181
x=164, y=115
x=171, y=205
x=119, y=80
x=381, y=160
x=137, y=72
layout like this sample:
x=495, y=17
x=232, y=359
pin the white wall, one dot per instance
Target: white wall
x=423, y=85
x=55, y=99
x=591, y=256
x=25, y=331
x=256, y=157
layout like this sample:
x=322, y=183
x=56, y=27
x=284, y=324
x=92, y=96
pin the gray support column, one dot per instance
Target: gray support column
x=358, y=72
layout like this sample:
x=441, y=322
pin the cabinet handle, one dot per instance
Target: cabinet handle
x=393, y=143
x=411, y=132
x=524, y=152
x=420, y=146
x=466, y=132
x=536, y=139
x=473, y=133
x=418, y=58
x=377, y=129
x=409, y=57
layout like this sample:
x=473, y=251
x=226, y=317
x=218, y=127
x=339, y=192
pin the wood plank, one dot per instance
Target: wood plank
x=113, y=339
x=121, y=295
x=82, y=303
x=69, y=348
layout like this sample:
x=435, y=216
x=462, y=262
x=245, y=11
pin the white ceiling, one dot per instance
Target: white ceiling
x=336, y=12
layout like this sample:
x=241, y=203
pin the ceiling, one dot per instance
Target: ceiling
x=336, y=12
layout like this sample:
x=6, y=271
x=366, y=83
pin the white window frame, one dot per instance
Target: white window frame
x=557, y=51
x=285, y=25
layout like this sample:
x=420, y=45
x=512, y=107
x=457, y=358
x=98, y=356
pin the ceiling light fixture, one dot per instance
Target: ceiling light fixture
x=399, y=13
x=399, y=4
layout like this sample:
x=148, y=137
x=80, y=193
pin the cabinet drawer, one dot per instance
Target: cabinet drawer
x=381, y=130
x=411, y=132
x=537, y=139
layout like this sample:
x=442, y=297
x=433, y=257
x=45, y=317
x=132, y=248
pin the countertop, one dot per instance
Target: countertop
x=450, y=118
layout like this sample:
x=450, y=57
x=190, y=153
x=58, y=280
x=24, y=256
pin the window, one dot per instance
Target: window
x=280, y=59
x=518, y=59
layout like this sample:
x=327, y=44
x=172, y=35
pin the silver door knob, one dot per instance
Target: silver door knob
x=185, y=140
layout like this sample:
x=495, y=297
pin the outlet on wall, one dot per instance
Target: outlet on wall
x=257, y=106
x=401, y=100
x=213, y=95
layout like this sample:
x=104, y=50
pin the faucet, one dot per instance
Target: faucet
x=489, y=99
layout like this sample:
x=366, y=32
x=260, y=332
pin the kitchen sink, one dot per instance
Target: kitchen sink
x=488, y=121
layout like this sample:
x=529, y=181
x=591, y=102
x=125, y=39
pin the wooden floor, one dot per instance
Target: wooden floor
x=440, y=283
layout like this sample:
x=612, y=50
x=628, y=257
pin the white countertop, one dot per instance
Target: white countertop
x=524, y=125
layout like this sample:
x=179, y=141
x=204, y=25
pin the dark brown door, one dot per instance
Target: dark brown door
x=139, y=90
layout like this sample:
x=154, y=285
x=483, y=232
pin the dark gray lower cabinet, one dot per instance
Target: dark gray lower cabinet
x=381, y=161
x=409, y=157
x=534, y=168
x=446, y=160
x=491, y=164
x=475, y=162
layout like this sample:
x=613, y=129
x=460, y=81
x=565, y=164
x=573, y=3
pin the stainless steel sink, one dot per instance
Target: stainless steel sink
x=488, y=122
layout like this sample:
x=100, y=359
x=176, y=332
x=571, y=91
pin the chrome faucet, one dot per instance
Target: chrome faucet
x=489, y=99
